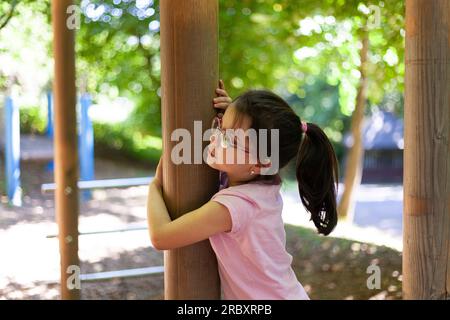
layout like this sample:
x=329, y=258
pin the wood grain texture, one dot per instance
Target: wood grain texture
x=65, y=142
x=189, y=76
x=426, y=214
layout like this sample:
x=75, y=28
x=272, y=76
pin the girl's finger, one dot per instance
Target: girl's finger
x=221, y=92
x=222, y=99
x=221, y=84
x=159, y=169
x=222, y=105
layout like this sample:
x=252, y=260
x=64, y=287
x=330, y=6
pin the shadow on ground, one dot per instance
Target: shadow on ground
x=328, y=268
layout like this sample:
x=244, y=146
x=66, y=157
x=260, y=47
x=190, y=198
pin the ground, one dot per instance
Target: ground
x=329, y=268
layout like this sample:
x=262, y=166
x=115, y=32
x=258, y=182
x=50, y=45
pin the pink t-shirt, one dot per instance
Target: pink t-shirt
x=252, y=257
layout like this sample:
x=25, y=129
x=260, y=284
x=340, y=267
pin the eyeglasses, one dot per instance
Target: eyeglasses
x=227, y=138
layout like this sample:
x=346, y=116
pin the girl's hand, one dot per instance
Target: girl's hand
x=158, y=179
x=223, y=99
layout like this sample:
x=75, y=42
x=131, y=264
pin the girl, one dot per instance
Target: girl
x=243, y=220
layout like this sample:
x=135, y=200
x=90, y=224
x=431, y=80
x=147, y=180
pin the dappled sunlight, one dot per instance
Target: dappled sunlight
x=109, y=110
x=336, y=268
x=31, y=261
x=27, y=255
x=325, y=59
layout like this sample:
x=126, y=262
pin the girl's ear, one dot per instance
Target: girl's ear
x=261, y=165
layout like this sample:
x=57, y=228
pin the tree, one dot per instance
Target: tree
x=25, y=33
x=367, y=63
x=118, y=54
x=7, y=12
x=353, y=172
x=281, y=45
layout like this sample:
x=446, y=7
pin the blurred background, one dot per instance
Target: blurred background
x=339, y=63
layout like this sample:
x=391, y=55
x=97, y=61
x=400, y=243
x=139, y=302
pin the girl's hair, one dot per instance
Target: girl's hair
x=316, y=165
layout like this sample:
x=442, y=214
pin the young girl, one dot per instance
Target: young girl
x=243, y=220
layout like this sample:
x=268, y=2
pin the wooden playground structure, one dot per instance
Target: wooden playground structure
x=18, y=147
x=189, y=57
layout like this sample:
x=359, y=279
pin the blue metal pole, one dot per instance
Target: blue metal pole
x=49, y=114
x=86, y=145
x=49, y=133
x=12, y=152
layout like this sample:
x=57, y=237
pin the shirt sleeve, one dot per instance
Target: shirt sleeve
x=241, y=208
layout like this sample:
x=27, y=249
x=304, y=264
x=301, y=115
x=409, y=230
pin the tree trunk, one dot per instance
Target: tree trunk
x=426, y=213
x=355, y=156
x=189, y=76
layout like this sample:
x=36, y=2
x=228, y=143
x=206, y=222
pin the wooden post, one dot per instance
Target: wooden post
x=65, y=141
x=426, y=216
x=189, y=76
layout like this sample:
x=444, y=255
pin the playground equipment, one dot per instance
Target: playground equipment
x=12, y=152
x=103, y=184
x=19, y=147
x=66, y=155
x=189, y=73
x=426, y=216
x=192, y=64
x=85, y=139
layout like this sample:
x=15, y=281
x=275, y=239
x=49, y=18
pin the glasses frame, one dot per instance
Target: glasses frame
x=225, y=140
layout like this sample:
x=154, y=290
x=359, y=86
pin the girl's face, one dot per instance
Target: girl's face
x=229, y=150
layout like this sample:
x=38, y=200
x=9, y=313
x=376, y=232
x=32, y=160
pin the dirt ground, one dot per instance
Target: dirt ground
x=328, y=268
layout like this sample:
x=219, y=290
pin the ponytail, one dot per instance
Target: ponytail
x=317, y=174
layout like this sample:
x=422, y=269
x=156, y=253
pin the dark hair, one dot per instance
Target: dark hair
x=316, y=166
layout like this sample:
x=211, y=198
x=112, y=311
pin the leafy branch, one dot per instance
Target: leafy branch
x=5, y=18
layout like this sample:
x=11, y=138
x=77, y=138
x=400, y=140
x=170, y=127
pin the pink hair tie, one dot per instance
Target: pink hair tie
x=304, y=126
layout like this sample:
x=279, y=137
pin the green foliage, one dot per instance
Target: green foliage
x=6, y=12
x=25, y=42
x=115, y=140
x=32, y=120
x=319, y=103
x=307, y=51
x=119, y=55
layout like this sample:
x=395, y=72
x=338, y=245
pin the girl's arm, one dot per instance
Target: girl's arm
x=193, y=226
x=190, y=228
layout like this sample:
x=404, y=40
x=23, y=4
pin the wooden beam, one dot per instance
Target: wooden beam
x=189, y=76
x=65, y=142
x=426, y=213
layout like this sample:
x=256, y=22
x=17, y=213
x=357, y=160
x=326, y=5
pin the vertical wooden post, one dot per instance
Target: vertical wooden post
x=426, y=216
x=189, y=76
x=65, y=141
